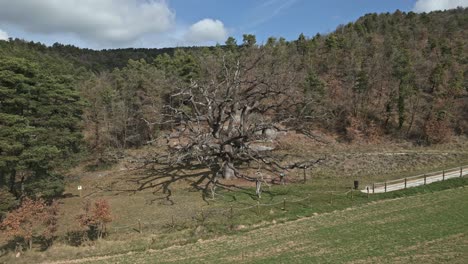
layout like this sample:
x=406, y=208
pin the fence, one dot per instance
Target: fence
x=226, y=216
x=418, y=180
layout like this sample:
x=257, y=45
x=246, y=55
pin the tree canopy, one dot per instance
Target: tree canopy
x=40, y=125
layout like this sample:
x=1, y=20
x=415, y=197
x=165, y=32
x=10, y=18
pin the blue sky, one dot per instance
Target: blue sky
x=161, y=23
x=286, y=18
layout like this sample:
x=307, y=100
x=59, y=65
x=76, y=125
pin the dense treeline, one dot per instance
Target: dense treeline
x=40, y=114
x=403, y=74
x=400, y=75
x=93, y=60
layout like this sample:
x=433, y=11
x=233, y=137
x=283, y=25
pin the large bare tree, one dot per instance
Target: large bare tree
x=240, y=95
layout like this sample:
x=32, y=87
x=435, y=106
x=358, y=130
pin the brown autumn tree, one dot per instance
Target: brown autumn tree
x=95, y=216
x=437, y=130
x=32, y=219
x=122, y=105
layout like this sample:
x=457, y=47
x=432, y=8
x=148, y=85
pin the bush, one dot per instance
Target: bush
x=95, y=217
x=437, y=131
x=33, y=218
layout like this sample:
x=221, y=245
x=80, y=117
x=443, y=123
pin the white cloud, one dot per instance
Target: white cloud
x=206, y=30
x=3, y=35
x=431, y=5
x=102, y=21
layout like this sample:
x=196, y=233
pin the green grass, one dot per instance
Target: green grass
x=428, y=228
x=337, y=175
x=219, y=224
x=326, y=191
x=300, y=200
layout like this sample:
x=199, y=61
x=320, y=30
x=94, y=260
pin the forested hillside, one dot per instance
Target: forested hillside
x=386, y=76
x=398, y=75
x=403, y=74
x=92, y=60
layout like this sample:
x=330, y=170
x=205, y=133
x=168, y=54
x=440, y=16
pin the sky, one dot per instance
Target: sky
x=104, y=24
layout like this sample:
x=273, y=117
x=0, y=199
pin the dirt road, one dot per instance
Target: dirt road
x=414, y=181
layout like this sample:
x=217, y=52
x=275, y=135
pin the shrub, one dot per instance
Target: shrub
x=95, y=217
x=437, y=131
x=33, y=218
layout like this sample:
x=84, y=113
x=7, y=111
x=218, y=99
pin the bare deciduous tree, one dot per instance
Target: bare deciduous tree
x=238, y=98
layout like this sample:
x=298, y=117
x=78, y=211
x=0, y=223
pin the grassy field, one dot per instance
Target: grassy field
x=266, y=218
x=428, y=228
x=191, y=219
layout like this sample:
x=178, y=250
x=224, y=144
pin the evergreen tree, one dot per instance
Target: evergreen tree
x=231, y=43
x=39, y=120
x=249, y=40
x=402, y=70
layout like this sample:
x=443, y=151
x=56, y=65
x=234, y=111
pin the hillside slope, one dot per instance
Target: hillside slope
x=427, y=228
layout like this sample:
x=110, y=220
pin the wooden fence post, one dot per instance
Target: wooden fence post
x=385, y=186
x=373, y=188
x=424, y=179
x=305, y=175
x=367, y=192
x=139, y=226
x=202, y=215
x=443, y=175
x=405, y=182
x=461, y=171
x=231, y=218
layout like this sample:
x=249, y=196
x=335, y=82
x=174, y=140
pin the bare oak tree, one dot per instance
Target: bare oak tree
x=217, y=117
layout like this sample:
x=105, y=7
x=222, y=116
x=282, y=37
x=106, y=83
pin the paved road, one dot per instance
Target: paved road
x=400, y=184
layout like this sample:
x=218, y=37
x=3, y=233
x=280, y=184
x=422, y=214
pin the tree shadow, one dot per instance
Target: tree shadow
x=44, y=243
x=18, y=244
x=11, y=246
x=76, y=238
x=160, y=177
x=67, y=195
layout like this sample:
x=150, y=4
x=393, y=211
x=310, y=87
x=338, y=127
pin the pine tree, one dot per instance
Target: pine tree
x=39, y=120
x=403, y=72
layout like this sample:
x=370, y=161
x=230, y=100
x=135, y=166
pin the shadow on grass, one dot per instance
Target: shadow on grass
x=19, y=245
x=11, y=246
x=76, y=238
